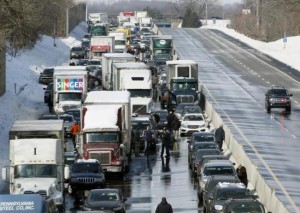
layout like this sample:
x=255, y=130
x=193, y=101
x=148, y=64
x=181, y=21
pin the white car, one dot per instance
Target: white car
x=192, y=122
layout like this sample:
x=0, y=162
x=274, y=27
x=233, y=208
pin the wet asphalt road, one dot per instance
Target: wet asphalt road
x=150, y=180
x=235, y=79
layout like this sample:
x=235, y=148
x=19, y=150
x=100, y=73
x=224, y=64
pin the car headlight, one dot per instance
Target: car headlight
x=218, y=207
x=117, y=208
x=184, y=125
x=272, y=99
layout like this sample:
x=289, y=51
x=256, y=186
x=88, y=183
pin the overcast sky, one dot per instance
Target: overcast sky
x=230, y=1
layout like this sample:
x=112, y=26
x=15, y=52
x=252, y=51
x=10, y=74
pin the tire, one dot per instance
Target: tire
x=288, y=109
x=268, y=109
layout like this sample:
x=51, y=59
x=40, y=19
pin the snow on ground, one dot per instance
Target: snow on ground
x=24, y=97
x=286, y=52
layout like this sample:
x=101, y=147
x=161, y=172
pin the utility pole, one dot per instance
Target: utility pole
x=206, y=12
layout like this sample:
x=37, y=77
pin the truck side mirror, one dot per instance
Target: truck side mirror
x=4, y=174
x=67, y=172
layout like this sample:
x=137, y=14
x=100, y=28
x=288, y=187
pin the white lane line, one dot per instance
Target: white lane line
x=294, y=136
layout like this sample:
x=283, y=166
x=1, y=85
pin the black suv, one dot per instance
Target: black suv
x=278, y=97
x=86, y=175
x=243, y=205
x=46, y=76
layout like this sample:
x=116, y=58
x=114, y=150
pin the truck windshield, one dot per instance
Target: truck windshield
x=35, y=170
x=140, y=93
x=102, y=137
x=162, y=51
x=118, y=42
x=183, y=85
x=69, y=96
x=99, y=31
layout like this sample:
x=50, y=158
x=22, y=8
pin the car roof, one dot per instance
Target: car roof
x=212, y=157
x=203, y=133
x=224, y=162
x=106, y=190
x=227, y=185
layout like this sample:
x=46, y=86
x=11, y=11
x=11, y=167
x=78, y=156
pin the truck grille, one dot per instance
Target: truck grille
x=67, y=107
x=139, y=109
x=185, y=99
x=43, y=193
x=103, y=157
x=86, y=180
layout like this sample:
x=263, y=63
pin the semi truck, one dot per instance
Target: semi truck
x=182, y=82
x=127, y=33
x=100, y=45
x=100, y=29
x=136, y=78
x=36, y=163
x=140, y=14
x=120, y=41
x=161, y=47
x=108, y=60
x=106, y=129
x=98, y=18
x=145, y=22
x=69, y=87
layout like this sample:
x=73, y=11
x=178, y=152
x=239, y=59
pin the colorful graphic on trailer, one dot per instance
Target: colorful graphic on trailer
x=70, y=84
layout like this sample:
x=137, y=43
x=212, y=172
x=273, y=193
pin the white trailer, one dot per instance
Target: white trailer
x=100, y=45
x=108, y=60
x=145, y=22
x=69, y=87
x=136, y=78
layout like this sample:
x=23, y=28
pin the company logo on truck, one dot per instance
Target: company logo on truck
x=162, y=42
x=70, y=84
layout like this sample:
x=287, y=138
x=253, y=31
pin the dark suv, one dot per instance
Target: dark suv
x=243, y=205
x=278, y=97
x=86, y=175
x=46, y=76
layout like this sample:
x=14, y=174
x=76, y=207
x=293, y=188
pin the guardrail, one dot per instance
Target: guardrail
x=265, y=192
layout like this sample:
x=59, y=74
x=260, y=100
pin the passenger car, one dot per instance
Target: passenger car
x=94, y=62
x=48, y=93
x=180, y=107
x=200, y=137
x=86, y=175
x=139, y=123
x=206, y=192
x=243, y=205
x=105, y=199
x=46, y=76
x=278, y=97
x=215, y=167
x=199, y=153
x=48, y=117
x=69, y=160
x=221, y=193
x=192, y=122
x=75, y=113
x=206, y=158
x=77, y=52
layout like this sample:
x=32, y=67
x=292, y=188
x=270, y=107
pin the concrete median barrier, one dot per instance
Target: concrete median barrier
x=265, y=192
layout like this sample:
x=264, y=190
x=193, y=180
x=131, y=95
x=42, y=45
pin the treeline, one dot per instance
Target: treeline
x=22, y=22
x=268, y=20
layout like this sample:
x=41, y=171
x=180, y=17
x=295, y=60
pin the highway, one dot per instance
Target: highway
x=235, y=79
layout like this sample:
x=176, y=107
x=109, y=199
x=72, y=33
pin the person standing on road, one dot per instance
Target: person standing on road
x=165, y=142
x=242, y=174
x=147, y=135
x=164, y=207
x=74, y=131
x=220, y=136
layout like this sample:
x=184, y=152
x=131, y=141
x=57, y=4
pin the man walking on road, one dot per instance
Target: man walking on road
x=165, y=142
x=147, y=134
x=220, y=136
x=74, y=131
x=164, y=207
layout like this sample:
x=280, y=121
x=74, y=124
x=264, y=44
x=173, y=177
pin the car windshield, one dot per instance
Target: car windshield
x=66, y=118
x=201, y=138
x=49, y=117
x=230, y=193
x=204, y=146
x=281, y=92
x=139, y=125
x=247, y=209
x=69, y=160
x=192, y=110
x=85, y=167
x=76, y=49
x=75, y=113
x=35, y=170
x=102, y=137
x=219, y=170
x=94, y=62
x=103, y=196
x=69, y=96
x=193, y=118
x=48, y=71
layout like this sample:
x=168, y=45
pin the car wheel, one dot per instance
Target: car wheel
x=288, y=109
x=268, y=109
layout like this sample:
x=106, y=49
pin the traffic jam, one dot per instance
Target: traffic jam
x=126, y=131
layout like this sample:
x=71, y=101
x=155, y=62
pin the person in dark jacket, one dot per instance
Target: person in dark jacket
x=164, y=207
x=220, y=136
x=165, y=142
x=147, y=135
x=242, y=174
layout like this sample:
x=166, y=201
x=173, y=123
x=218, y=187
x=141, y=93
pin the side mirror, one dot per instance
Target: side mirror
x=4, y=174
x=67, y=172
